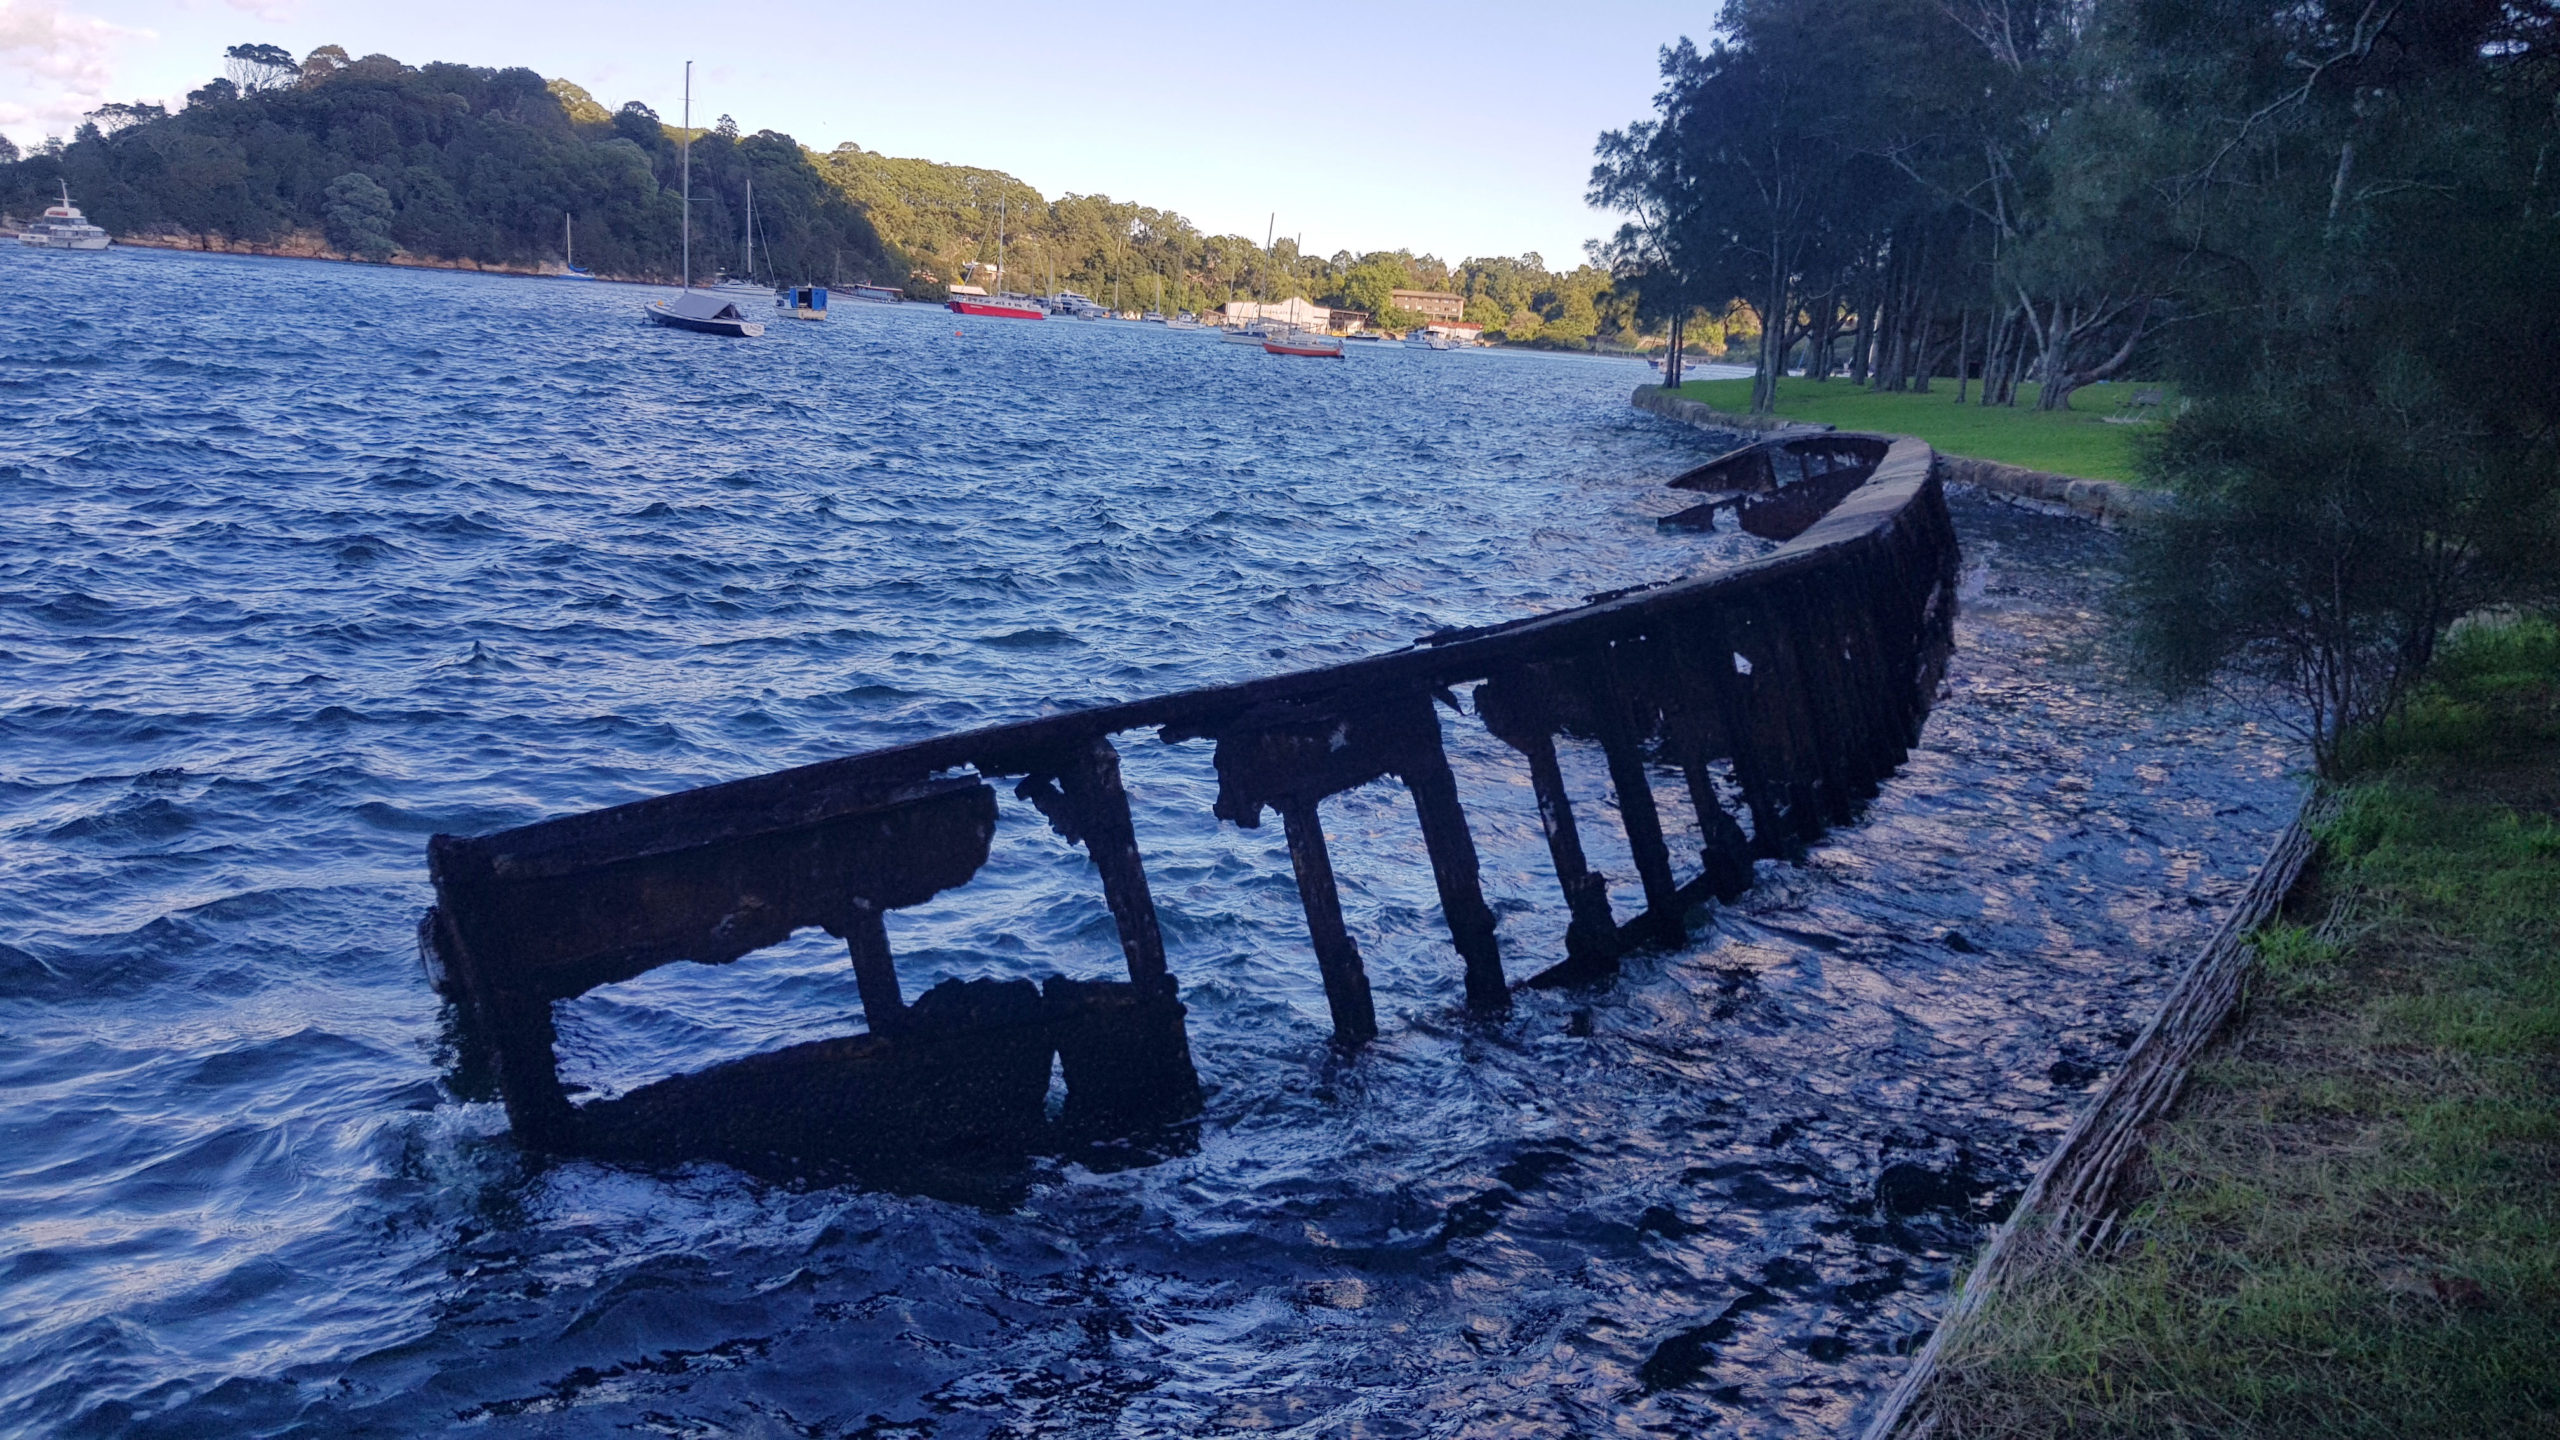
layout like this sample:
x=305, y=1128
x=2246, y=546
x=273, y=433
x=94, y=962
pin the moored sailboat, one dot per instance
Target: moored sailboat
x=569, y=249
x=971, y=300
x=696, y=310
x=1004, y=305
x=1293, y=341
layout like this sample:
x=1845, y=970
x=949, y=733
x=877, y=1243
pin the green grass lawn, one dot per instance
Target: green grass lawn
x=2076, y=442
x=2350, y=1226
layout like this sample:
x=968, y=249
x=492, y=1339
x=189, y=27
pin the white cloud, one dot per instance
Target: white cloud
x=55, y=66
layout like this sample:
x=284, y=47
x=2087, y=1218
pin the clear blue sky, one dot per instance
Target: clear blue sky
x=1453, y=129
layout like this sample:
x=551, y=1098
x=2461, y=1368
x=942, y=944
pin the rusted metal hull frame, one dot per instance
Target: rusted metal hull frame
x=1810, y=670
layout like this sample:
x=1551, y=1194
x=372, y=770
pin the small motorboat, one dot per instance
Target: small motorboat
x=1427, y=340
x=1303, y=342
x=801, y=302
x=879, y=294
x=970, y=300
x=705, y=313
x=63, y=227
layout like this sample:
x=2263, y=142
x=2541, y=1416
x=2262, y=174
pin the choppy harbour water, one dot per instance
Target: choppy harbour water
x=305, y=562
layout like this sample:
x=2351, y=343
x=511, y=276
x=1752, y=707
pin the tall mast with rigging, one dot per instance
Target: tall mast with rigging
x=686, y=150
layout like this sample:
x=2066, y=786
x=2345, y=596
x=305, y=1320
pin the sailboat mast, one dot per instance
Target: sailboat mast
x=686, y=150
x=751, y=229
x=1000, y=247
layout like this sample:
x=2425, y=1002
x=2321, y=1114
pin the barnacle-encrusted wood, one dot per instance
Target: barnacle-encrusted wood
x=1781, y=691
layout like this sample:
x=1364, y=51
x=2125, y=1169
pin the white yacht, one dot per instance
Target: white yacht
x=63, y=227
x=1082, y=307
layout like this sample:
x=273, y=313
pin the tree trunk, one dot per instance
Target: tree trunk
x=1819, y=337
x=1858, y=349
x=1671, y=355
x=1964, y=347
x=2052, y=383
x=1773, y=344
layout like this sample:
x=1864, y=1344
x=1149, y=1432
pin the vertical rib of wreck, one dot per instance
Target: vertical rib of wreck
x=1783, y=691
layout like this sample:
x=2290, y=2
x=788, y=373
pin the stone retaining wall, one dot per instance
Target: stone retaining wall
x=2111, y=503
x=1690, y=412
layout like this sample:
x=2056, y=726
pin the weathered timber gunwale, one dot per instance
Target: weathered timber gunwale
x=1810, y=670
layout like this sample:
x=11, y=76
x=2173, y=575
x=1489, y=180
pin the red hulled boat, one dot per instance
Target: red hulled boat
x=970, y=300
x=1303, y=342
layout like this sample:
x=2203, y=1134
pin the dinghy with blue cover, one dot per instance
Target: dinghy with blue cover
x=705, y=312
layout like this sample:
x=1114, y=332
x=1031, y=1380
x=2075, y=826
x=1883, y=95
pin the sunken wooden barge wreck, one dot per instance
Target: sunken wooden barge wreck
x=1781, y=691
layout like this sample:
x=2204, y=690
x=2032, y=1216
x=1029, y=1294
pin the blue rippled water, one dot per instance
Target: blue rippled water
x=305, y=562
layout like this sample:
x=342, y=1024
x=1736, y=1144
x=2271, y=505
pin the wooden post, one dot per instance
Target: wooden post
x=1783, y=724
x=1813, y=637
x=1871, y=673
x=1454, y=868
x=1699, y=736
x=538, y=1110
x=1713, y=644
x=1346, y=983
x=1724, y=852
x=1591, y=938
x=875, y=973
x=1091, y=782
x=1636, y=811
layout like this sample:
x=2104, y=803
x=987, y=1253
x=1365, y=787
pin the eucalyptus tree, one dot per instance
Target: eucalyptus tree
x=1749, y=183
x=2373, y=445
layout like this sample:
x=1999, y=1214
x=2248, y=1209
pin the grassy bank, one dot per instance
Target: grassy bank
x=2076, y=442
x=2351, y=1224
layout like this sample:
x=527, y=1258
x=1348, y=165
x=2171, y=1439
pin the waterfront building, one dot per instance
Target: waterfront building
x=1431, y=304
x=1297, y=311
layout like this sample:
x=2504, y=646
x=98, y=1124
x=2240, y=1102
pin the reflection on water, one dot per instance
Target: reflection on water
x=289, y=590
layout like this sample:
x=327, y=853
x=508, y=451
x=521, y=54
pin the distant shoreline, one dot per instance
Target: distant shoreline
x=303, y=245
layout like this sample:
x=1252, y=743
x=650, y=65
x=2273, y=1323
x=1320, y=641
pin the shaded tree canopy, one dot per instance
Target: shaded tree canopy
x=2333, y=222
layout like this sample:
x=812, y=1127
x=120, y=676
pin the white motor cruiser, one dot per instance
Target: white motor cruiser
x=64, y=228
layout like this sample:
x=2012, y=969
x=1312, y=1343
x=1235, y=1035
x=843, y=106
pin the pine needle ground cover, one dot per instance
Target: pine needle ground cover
x=2078, y=442
x=2351, y=1224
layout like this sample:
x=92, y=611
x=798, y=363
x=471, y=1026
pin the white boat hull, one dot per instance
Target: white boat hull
x=661, y=313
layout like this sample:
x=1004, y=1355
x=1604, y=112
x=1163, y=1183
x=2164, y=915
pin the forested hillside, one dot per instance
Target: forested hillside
x=442, y=163
x=944, y=219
